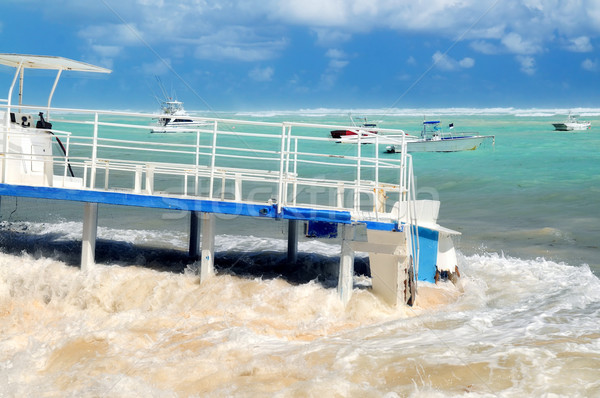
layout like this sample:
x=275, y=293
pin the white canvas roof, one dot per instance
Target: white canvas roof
x=49, y=62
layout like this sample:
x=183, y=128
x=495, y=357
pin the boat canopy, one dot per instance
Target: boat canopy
x=432, y=122
x=48, y=62
x=59, y=64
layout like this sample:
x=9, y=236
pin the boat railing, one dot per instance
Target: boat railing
x=287, y=163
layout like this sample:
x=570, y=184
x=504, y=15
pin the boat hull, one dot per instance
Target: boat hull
x=179, y=127
x=571, y=126
x=337, y=134
x=453, y=144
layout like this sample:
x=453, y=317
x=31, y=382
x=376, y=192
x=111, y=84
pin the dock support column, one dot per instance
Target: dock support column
x=292, y=253
x=88, y=241
x=345, y=278
x=194, y=234
x=207, y=268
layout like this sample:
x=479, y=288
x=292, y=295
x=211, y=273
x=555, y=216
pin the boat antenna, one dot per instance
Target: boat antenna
x=162, y=87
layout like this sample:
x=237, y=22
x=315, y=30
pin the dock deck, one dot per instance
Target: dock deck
x=284, y=170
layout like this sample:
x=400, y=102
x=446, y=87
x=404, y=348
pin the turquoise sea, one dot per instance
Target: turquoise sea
x=522, y=320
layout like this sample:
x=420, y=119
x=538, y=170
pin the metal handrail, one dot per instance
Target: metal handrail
x=280, y=161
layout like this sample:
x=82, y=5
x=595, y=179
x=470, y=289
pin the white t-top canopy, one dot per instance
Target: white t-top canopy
x=48, y=62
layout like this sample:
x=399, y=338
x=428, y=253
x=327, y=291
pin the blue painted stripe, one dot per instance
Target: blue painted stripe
x=128, y=199
x=383, y=226
x=428, y=248
x=300, y=213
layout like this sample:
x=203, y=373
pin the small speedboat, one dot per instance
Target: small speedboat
x=362, y=127
x=572, y=123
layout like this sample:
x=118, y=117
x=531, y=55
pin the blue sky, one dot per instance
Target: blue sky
x=296, y=54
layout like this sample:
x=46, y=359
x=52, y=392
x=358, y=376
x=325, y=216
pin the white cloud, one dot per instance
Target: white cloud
x=338, y=59
x=484, y=47
x=445, y=62
x=523, y=27
x=527, y=64
x=241, y=44
x=107, y=51
x=327, y=37
x=580, y=44
x=261, y=74
x=335, y=53
x=337, y=62
x=466, y=62
x=589, y=65
x=160, y=67
x=324, y=13
x=518, y=45
x=111, y=34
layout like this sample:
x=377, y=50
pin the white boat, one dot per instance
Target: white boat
x=360, y=127
x=572, y=123
x=434, y=139
x=174, y=119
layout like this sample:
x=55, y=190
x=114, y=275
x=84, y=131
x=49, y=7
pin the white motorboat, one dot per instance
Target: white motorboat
x=174, y=119
x=572, y=123
x=361, y=127
x=434, y=139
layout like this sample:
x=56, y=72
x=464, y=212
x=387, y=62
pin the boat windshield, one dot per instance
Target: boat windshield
x=172, y=107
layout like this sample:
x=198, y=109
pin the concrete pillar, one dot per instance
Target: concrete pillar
x=292, y=253
x=207, y=268
x=194, y=234
x=88, y=241
x=345, y=278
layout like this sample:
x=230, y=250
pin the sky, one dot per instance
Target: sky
x=307, y=54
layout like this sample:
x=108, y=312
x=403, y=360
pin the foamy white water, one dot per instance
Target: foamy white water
x=510, y=328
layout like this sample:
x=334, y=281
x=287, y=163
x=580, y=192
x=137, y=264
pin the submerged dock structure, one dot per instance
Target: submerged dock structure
x=247, y=168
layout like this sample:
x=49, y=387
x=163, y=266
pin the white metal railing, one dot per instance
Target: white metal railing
x=294, y=164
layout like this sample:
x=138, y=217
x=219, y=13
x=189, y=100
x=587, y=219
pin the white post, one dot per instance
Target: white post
x=238, y=188
x=138, y=179
x=207, y=269
x=345, y=278
x=94, y=152
x=88, y=241
x=149, y=179
x=340, y=195
x=213, y=156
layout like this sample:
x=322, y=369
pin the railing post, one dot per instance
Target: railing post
x=106, y=172
x=94, y=152
x=295, y=186
x=212, y=162
x=149, y=179
x=66, y=159
x=197, y=163
x=237, y=194
x=280, y=197
x=340, y=195
x=138, y=179
x=358, y=177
